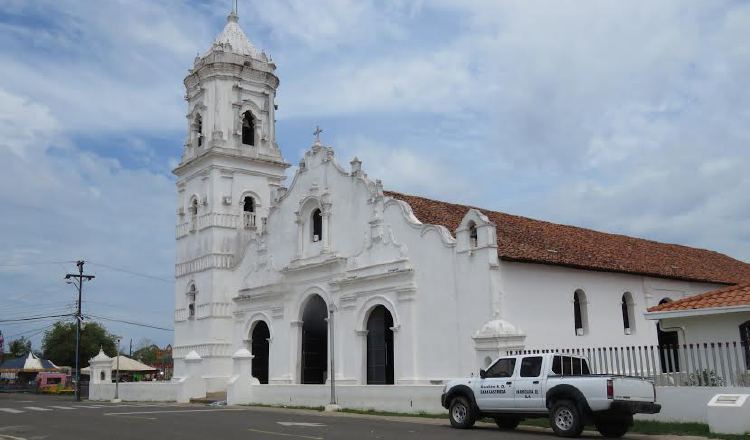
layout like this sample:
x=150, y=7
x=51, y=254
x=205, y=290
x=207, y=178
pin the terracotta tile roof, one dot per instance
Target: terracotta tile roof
x=527, y=240
x=726, y=297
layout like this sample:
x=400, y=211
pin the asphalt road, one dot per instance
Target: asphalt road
x=25, y=416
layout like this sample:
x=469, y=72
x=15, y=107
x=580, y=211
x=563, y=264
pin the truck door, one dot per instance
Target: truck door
x=495, y=391
x=528, y=384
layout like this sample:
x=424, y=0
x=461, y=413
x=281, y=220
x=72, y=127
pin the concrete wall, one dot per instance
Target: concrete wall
x=403, y=398
x=687, y=404
x=136, y=391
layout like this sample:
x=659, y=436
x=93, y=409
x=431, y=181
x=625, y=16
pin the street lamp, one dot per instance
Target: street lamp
x=117, y=373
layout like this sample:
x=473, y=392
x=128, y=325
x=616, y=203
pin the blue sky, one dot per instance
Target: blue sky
x=629, y=117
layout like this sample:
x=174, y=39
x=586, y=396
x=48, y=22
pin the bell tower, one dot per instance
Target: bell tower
x=230, y=168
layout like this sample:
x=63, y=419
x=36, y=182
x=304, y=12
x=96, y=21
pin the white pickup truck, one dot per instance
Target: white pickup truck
x=557, y=386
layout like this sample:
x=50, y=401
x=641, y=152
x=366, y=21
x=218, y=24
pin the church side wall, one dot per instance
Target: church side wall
x=539, y=300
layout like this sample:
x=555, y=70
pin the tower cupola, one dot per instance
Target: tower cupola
x=231, y=94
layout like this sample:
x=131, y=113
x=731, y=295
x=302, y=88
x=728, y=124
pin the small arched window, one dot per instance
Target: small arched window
x=193, y=206
x=248, y=128
x=248, y=204
x=102, y=376
x=198, y=129
x=626, y=306
x=579, y=312
x=473, y=235
x=317, y=225
x=191, y=301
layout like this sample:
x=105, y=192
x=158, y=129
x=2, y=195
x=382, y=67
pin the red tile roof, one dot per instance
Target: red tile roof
x=533, y=241
x=726, y=297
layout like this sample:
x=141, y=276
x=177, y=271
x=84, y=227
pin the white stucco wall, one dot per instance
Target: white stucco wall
x=721, y=327
x=687, y=404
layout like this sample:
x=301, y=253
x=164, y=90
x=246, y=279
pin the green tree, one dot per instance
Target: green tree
x=21, y=347
x=59, y=343
x=146, y=352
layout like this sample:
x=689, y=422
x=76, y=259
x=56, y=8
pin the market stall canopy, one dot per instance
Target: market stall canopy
x=126, y=364
x=30, y=363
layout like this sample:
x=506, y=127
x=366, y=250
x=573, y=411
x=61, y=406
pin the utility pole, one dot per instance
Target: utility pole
x=81, y=278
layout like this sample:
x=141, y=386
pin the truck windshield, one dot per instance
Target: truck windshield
x=570, y=366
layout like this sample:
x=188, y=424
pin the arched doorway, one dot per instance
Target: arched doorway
x=259, y=348
x=669, y=343
x=380, y=347
x=314, y=341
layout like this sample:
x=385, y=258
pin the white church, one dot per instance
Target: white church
x=400, y=290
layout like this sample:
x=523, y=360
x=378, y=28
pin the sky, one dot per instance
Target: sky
x=627, y=117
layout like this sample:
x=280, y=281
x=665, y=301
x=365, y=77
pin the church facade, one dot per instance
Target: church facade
x=397, y=289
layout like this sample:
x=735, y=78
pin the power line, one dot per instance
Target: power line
x=130, y=272
x=139, y=324
x=38, y=263
x=34, y=318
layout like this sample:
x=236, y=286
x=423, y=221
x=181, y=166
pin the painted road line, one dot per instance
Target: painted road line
x=61, y=407
x=284, y=434
x=173, y=411
x=300, y=424
x=36, y=408
x=10, y=410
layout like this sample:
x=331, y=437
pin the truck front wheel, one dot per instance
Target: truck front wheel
x=461, y=413
x=566, y=419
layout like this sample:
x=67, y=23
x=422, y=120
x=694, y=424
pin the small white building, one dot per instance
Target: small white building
x=419, y=290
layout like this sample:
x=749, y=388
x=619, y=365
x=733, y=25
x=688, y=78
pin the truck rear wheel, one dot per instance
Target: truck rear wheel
x=565, y=418
x=461, y=413
x=613, y=427
x=508, y=423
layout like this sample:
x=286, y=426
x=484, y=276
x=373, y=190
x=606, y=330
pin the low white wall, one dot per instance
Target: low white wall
x=136, y=391
x=396, y=398
x=687, y=404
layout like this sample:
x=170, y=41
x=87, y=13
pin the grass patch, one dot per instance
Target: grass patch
x=373, y=412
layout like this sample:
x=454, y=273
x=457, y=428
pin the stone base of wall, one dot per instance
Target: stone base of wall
x=395, y=398
x=687, y=404
x=136, y=391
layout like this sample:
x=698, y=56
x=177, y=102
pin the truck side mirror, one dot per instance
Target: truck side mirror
x=482, y=374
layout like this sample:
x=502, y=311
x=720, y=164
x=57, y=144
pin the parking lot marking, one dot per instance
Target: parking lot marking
x=10, y=410
x=300, y=424
x=61, y=407
x=284, y=434
x=36, y=408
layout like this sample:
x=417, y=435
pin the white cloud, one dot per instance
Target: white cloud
x=66, y=204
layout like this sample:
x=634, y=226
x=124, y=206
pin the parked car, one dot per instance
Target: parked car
x=556, y=386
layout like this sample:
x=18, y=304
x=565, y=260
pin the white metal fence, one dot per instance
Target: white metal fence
x=704, y=364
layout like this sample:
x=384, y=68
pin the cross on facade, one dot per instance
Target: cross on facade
x=317, y=134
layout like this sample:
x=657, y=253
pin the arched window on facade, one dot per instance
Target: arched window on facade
x=193, y=206
x=198, y=129
x=102, y=376
x=248, y=129
x=317, y=225
x=473, y=237
x=626, y=306
x=191, y=301
x=580, y=315
x=745, y=342
x=248, y=208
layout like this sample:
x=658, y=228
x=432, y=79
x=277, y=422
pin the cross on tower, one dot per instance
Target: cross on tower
x=317, y=134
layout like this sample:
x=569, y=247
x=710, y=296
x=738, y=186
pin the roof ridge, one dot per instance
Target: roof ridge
x=583, y=228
